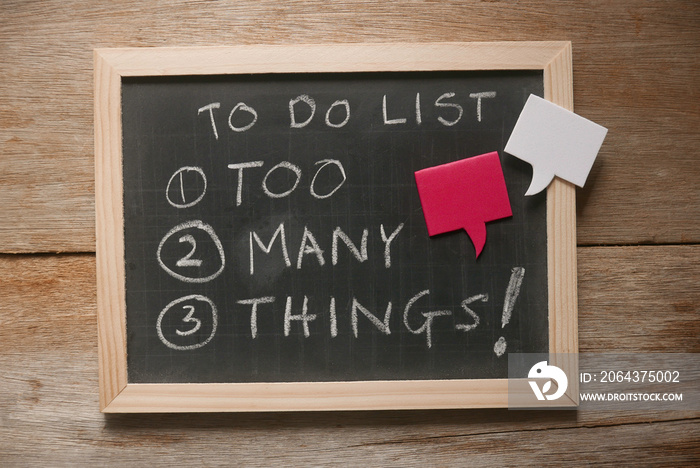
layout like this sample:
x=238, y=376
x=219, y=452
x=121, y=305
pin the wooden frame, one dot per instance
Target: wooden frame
x=117, y=395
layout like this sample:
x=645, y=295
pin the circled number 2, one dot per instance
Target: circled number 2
x=203, y=242
x=187, y=260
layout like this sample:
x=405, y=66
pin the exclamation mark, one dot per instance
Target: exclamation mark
x=516, y=280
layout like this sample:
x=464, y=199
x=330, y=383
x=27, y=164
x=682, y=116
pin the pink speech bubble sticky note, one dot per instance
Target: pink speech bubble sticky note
x=464, y=194
x=556, y=142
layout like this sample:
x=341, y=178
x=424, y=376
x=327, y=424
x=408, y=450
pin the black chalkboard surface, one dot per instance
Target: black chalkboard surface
x=273, y=231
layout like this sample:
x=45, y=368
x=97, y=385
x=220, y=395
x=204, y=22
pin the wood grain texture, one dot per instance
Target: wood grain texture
x=635, y=72
x=342, y=58
x=561, y=239
x=49, y=410
x=109, y=196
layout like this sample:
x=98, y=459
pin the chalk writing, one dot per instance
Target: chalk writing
x=181, y=195
x=189, y=267
x=302, y=110
x=181, y=270
x=194, y=303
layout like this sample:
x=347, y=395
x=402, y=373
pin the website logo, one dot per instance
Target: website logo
x=543, y=371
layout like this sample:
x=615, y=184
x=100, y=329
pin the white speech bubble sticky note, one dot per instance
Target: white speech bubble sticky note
x=556, y=142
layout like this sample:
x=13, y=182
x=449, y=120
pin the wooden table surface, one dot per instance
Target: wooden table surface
x=636, y=72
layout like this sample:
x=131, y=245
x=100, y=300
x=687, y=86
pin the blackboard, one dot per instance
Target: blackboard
x=272, y=231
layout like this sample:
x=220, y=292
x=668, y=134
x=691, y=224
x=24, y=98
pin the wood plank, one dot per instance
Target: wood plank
x=634, y=72
x=49, y=409
x=52, y=417
x=49, y=423
x=639, y=299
